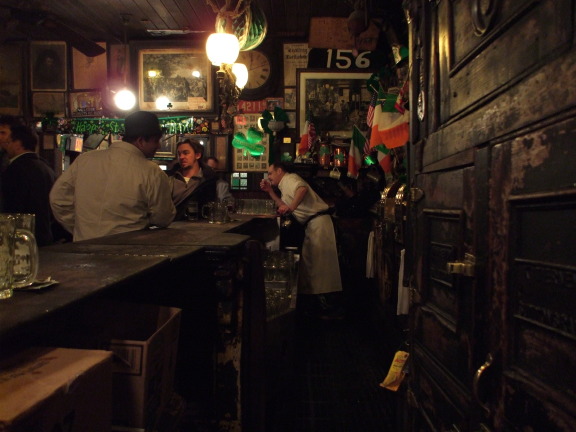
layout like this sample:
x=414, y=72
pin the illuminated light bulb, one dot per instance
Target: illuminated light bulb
x=222, y=48
x=152, y=73
x=125, y=100
x=162, y=103
x=196, y=73
x=240, y=71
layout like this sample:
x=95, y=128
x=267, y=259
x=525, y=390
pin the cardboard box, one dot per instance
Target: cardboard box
x=144, y=340
x=51, y=389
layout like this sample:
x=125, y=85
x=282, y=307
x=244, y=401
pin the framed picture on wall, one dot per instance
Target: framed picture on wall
x=48, y=66
x=292, y=119
x=335, y=101
x=86, y=104
x=89, y=72
x=290, y=98
x=48, y=102
x=167, y=148
x=182, y=75
x=11, y=79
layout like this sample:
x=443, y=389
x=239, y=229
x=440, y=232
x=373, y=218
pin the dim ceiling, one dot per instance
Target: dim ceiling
x=116, y=21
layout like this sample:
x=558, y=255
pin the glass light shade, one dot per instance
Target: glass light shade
x=276, y=125
x=125, y=100
x=162, y=103
x=222, y=48
x=240, y=71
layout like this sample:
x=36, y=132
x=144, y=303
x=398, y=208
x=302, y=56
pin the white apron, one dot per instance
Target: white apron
x=319, y=272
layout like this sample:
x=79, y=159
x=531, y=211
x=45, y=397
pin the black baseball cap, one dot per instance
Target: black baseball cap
x=142, y=124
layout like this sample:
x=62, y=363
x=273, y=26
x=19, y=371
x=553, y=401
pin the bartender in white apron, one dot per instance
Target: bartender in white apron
x=319, y=269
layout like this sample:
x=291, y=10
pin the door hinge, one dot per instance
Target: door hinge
x=465, y=268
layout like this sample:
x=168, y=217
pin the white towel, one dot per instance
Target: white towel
x=370, y=256
x=403, y=305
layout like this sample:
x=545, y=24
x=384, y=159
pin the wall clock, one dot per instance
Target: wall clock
x=261, y=76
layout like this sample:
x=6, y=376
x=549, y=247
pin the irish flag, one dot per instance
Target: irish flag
x=355, y=154
x=384, y=158
x=389, y=127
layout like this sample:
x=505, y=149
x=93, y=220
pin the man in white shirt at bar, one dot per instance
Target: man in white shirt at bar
x=117, y=190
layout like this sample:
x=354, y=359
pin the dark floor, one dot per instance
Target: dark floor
x=338, y=368
x=333, y=384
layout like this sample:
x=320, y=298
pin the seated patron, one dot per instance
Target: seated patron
x=222, y=186
x=191, y=179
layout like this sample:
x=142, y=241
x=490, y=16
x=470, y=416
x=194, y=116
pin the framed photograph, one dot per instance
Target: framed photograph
x=11, y=79
x=48, y=66
x=290, y=98
x=335, y=101
x=44, y=103
x=292, y=117
x=167, y=148
x=86, y=104
x=272, y=103
x=182, y=75
x=295, y=57
x=89, y=72
x=118, y=65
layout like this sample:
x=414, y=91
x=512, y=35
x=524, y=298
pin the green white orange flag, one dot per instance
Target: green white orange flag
x=355, y=154
x=390, y=127
x=384, y=158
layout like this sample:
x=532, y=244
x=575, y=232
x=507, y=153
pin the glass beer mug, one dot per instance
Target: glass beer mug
x=18, y=252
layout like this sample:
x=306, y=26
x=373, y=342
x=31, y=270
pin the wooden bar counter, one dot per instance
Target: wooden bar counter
x=90, y=268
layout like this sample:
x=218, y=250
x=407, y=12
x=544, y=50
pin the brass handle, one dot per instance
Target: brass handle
x=477, y=376
x=465, y=268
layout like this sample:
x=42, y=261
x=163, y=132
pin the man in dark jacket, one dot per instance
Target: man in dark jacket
x=27, y=180
x=191, y=179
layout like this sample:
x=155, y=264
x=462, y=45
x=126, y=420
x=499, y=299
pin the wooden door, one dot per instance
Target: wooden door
x=492, y=215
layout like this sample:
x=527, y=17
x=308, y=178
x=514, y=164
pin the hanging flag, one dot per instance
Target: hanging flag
x=307, y=138
x=389, y=127
x=311, y=135
x=402, y=98
x=370, y=115
x=355, y=152
x=384, y=158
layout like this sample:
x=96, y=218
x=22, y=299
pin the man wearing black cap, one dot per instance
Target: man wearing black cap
x=116, y=190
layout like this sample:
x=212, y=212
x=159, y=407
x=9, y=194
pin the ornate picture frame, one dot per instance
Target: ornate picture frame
x=334, y=100
x=183, y=75
x=48, y=65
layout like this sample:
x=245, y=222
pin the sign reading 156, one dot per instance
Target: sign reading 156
x=344, y=59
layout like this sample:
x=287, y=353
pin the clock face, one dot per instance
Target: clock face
x=259, y=71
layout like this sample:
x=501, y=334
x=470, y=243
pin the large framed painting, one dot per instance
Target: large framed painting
x=182, y=75
x=334, y=101
x=11, y=79
x=48, y=65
